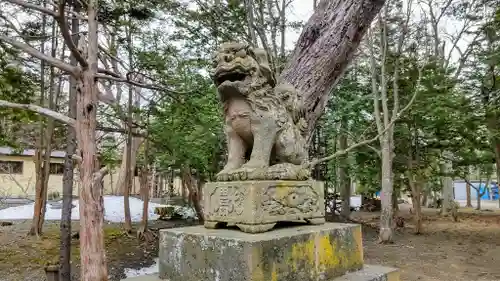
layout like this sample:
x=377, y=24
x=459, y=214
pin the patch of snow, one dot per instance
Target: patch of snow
x=113, y=210
x=130, y=272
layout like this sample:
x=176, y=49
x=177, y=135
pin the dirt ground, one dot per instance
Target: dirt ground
x=22, y=258
x=447, y=251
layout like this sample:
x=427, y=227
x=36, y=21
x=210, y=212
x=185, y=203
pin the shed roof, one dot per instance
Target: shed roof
x=4, y=150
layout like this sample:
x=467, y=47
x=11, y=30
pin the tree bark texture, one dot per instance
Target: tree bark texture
x=497, y=162
x=469, y=199
x=417, y=207
x=68, y=175
x=344, y=182
x=478, y=199
x=386, y=216
x=425, y=198
x=39, y=199
x=92, y=249
x=92, y=253
x=188, y=184
x=121, y=182
x=324, y=50
x=447, y=182
x=416, y=194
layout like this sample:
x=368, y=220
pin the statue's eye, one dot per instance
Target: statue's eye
x=241, y=53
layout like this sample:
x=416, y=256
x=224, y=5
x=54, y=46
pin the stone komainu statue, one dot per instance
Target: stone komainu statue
x=264, y=122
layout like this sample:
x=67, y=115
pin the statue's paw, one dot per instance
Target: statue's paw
x=223, y=175
x=252, y=165
x=240, y=174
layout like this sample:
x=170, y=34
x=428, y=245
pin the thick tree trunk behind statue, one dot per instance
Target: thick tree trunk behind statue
x=386, y=216
x=325, y=48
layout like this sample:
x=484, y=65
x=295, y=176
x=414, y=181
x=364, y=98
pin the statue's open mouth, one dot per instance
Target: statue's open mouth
x=232, y=76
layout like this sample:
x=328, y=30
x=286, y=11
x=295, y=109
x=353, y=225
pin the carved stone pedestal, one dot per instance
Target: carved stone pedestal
x=256, y=206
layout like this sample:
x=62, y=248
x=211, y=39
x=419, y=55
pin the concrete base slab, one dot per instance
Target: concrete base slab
x=368, y=273
x=371, y=273
x=150, y=277
x=306, y=253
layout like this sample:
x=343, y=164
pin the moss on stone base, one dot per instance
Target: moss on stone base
x=306, y=253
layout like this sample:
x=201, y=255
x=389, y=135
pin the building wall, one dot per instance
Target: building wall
x=460, y=189
x=23, y=184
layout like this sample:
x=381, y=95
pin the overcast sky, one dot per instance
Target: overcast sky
x=303, y=9
x=299, y=10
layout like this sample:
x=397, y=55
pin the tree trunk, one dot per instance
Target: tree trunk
x=417, y=207
x=386, y=216
x=67, y=192
x=250, y=21
x=143, y=232
x=188, y=184
x=395, y=205
x=425, y=198
x=325, y=48
x=478, y=199
x=497, y=162
x=39, y=201
x=39, y=145
x=92, y=251
x=129, y=176
x=469, y=199
x=447, y=182
x=344, y=182
x=49, y=133
x=121, y=181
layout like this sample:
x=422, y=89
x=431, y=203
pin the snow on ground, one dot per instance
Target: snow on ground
x=113, y=210
x=129, y=272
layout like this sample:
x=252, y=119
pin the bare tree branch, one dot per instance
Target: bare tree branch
x=39, y=55
x=40, y=110
x=33, y=7
x=110, y=75
x=61, y=20
x=368, y=141
x=101, y=173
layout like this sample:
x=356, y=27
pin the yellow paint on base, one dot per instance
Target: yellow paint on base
x=321, y=253
x=274, y=273
x=258, y=274
x=393, y=276
x=358, y=237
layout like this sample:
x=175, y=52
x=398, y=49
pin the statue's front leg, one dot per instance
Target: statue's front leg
x=236, y=153
x=264, y=130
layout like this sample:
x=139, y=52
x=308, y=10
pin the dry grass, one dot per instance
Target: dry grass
x=23, y=257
